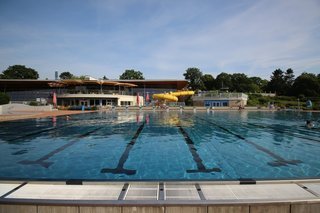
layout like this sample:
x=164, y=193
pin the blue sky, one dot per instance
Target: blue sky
x=161, y=38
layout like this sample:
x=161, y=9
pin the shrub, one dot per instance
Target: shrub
x=4, y=98
x=33, y=103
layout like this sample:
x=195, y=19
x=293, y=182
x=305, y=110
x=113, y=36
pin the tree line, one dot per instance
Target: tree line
x=281, y=82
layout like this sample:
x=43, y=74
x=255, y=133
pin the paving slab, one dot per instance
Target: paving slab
x=68, y=192
x=142, y=192
x=255, y=192
x=314, y=187
x=181, y=192
x=7, y=187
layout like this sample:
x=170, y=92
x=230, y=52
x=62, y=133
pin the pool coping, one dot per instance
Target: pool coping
x=144, y=202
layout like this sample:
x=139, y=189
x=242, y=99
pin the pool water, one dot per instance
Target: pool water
x=162, y=146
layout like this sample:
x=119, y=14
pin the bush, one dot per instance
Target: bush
x=34, y=103
x=4, y=98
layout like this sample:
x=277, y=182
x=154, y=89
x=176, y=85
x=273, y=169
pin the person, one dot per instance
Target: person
x=309, y=124
x=68, y=117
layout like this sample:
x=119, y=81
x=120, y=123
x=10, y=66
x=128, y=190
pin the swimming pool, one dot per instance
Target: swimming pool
x=162, y=146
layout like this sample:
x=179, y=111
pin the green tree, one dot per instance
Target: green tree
x=208, y=81
x=277, y=82
x=19, y=72
x=289, y=77
x=261, y=83
x=132, y=75
x=288, y=80
x=105, y=78
x=81, y=77
x=307, y=84
x=241, y=83
x=223, y=81
x=4, y=98
x=66, y=75
x=194, y=76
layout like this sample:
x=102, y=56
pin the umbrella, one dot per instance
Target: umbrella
x=54, y=99
x=147, y=97
x=138, y=100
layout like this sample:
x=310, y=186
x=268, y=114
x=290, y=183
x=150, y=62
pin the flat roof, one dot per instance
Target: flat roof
x=30, y=84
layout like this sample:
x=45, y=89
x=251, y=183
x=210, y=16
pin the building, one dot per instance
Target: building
x=88, y=92
x=216, y=99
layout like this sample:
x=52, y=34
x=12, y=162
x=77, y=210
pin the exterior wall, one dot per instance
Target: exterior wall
x=98, y=100
x=11, y=108
x=220, y=100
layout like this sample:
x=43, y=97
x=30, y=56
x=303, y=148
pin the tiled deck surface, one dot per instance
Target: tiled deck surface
x=277, y=196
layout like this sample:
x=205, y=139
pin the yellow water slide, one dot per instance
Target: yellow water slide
x=182, y=93
x=165, y=96
x=172, y=96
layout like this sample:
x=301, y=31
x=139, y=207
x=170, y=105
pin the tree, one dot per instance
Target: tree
x=306, y=84
x=81, y=77
x=66, y=75
x=289, y=77
x=105, y=78
x=288, y=80
x=277, y=82
x=194, y=76
x=131, y=75
x=261, y=83
x=208, y=82
x=223, y=81
x=4, y=98
x=241, y=83
x=19, y=72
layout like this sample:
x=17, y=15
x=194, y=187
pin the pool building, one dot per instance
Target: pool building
x=92, y=92
x=88, y=92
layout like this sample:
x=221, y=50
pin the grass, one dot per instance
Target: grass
x=283, y=101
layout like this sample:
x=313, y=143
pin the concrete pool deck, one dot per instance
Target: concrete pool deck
x=225, y=196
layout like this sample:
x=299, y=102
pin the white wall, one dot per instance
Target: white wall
x=12, y=108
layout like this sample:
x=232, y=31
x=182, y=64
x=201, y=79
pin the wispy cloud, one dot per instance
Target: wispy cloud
x=163, y=38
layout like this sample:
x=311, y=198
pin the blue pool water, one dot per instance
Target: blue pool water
x=162, y=146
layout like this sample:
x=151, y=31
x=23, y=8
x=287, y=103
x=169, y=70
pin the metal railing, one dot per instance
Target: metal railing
x=216, y=94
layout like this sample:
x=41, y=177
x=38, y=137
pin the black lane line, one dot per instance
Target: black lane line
x=199, y=190
x=161, y=191
x=124, y=157
x=283, y=131
x=279, y=161
x=196, y=157
x=42, y=161
x=13, y=190
x=123, y=191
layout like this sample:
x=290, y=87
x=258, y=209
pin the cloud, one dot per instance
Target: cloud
x=262, y=36
x=163, y=38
